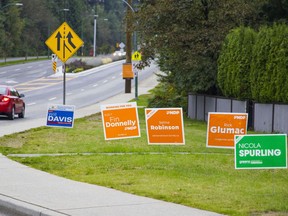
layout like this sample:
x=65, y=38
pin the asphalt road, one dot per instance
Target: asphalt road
x=42, y=87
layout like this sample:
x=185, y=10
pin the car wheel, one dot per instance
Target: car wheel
x=22, y=114
x=11, y=115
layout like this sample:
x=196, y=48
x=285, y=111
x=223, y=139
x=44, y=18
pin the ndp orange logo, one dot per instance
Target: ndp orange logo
x=120, y=121
x=223, y=126
x=164, y=126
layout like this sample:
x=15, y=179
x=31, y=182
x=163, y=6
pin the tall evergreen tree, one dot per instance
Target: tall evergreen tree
x=234, y=63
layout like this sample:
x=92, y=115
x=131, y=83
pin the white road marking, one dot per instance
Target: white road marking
x=18, y=69
x=30, y=104
x=105, y=81
x=95, y=85
x=82, y=89
x=11, y=82
x=113, y=77
x=52, y=98
x=69, y=93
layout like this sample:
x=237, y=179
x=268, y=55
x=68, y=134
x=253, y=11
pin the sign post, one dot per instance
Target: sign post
x=267, y=151
x=136, y=57
x=64, y=42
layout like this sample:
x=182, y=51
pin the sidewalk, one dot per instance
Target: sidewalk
x=34, y=192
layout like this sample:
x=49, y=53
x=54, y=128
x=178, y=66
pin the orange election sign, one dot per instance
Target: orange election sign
x=165, y=126
x=222, y=127
x=120, y=121
x=127, y=72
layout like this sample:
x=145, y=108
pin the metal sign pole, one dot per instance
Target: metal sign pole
x=64, y=83
x=135, y=70
x=136, y=85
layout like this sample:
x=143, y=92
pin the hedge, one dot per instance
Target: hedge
x=254, y=65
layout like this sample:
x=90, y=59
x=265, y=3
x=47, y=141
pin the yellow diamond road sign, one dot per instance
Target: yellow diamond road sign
x=64, y=42
x=136, y=56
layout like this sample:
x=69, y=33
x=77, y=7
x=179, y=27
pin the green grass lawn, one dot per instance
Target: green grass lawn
x=192, y=175
x=23, y=61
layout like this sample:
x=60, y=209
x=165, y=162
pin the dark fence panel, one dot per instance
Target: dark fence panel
x=192, y=106
x=280, y=118
x=200, y=105
x=262, y=117
x=210, y=105
x=224, y=105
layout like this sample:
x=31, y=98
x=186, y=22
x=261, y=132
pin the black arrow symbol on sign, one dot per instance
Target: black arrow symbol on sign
x=58, y=36
x=69, y=36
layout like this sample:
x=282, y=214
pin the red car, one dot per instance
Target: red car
x=11, y=102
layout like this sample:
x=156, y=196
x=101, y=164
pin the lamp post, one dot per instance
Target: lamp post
x=64, y=10
x=129, y=5
x=95, y=31
x=11, y=4
x=95, y=34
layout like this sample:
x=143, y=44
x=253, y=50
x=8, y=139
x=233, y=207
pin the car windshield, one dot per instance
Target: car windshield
x=2, y=90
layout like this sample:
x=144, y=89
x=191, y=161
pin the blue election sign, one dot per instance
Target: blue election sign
x=60, y=116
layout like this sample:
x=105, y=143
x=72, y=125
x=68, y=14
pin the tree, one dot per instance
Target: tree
x=234, y=63
x=37, y=25
x=186, y=37
x=268, y=77
x=275, y=10
x=12, y=28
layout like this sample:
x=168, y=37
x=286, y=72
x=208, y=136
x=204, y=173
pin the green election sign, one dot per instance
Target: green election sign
x=261, y=151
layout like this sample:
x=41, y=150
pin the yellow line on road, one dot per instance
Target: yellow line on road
x=40, y=83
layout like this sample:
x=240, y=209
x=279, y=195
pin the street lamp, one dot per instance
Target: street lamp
x=11, y=4
x=129, y=5
x=65, y=10
x=95, y=31
x=94, y=43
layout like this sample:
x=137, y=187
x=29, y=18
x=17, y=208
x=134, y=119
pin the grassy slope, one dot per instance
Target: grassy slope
x=191, y=175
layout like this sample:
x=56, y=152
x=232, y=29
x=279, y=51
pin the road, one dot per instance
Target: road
x=41, y=87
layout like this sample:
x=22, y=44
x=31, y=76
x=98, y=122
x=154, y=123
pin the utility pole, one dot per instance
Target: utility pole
x=128, y=45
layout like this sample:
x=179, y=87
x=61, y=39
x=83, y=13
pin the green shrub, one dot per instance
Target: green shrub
x=234, y=63
x=269, y=77
x=165, y=95
x=254, y=65
x=77, y=66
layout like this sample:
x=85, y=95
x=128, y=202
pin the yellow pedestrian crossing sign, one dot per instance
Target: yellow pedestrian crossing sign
x=64, y=42
x=136, y=56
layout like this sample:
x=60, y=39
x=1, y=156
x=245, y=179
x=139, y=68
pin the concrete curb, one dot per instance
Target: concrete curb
x=24, y=208
x=50, y=193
